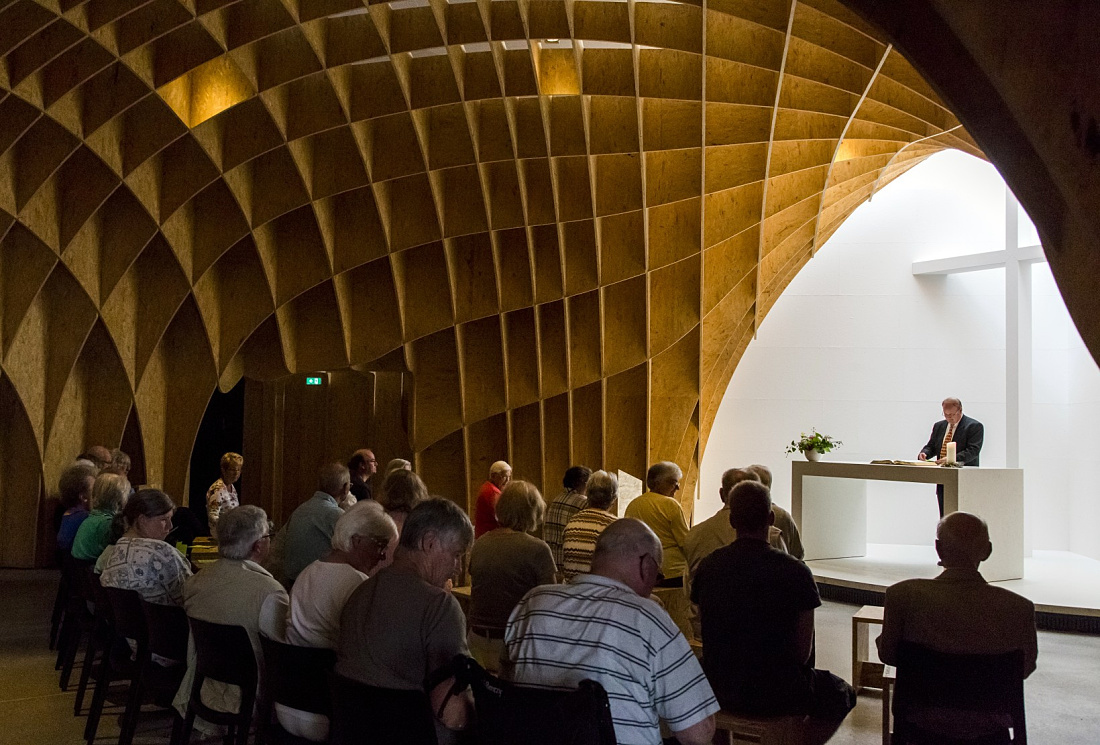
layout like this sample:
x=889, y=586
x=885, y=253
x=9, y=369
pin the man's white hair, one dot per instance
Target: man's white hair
x=366, y=519
x=239, y=529
x=499, y=467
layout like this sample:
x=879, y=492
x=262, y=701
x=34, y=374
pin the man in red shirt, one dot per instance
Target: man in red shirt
x=485, y=515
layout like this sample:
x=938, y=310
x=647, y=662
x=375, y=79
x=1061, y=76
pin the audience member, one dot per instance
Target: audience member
x=757, y=608
x=310, y=528
x=604, y=627
x=783, y=520
x=397, y=464
x=485, y=515
x=362, y=466
x=120, y=463
x=402, y=624
x=235, y=590
x=362, y=543
x=505, y=563
x=563, y=508
x=959, y=613
x=97, y=455
x=663, y=514
x=75, y=487
x=141, y=560
x=222, y=495
x=401, y=492
x=584, y=528
x=716, y=532
x=108, y=498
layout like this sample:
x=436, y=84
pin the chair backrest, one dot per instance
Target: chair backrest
x=366, y=715
x=128, y=617
x=988, y=683
x=167, y=627
x=224, y=653
x=298, y=677
x=509, y=713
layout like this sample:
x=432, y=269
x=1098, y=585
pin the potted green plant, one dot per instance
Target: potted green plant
x=813, y=445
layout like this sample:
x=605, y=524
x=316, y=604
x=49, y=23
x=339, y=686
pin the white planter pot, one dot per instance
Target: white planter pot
x=812, y=454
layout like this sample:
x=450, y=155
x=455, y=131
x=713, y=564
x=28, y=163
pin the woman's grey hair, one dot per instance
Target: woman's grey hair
x=397, y=464
x=440, y=516
x=661, y=474
x=520, y=507
x=402, y=491
x=627, y=539
x=366, y=519
x=603, y=487
x=110, y=492
x=239, y=529
x=73, y=481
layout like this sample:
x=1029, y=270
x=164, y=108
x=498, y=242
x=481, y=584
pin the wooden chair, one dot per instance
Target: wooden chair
x=974, y=683
x=764, y=730
x=367, y=715
x=76, y=620
x=120, y=611
x=222, y=653
x=298, y=678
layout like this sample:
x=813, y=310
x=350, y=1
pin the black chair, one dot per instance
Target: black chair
x=366, y=715
x=222, y=653
x=975, y=683
x=61, y=599
x=115, y=609
x=296, y=677
x=76, y=619
x=509, y=713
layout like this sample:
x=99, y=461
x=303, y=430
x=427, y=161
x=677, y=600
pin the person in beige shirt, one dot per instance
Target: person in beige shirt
x=958, y=613
x=783, y=520
x=662, y=513
x=716, y=532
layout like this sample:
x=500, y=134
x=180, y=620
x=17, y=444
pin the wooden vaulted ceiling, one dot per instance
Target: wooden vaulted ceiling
x=565, y=217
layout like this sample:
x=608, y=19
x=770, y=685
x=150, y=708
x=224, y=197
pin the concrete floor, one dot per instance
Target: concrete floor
x=1063, y=695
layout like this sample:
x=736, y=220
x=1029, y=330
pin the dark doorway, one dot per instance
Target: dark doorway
x=221, y=432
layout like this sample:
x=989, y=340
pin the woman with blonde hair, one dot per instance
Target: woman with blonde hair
x=222, y=495
x=401, y=491
x=108, y=498
x=505, y=563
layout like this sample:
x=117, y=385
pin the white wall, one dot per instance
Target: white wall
x=862, y=350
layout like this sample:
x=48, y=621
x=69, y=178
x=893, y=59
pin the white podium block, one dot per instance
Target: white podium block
x=829, y=504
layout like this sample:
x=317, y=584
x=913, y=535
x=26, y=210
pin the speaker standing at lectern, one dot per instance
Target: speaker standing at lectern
x=967, y=435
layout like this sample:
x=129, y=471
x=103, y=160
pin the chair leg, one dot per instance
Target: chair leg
x=133, y=707
x=60, y=600
x=86, y=672
x=99, y=697
x=178, y=725
x=72, y=646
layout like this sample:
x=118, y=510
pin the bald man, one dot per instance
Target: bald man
x=959, y=613
x=603, y=626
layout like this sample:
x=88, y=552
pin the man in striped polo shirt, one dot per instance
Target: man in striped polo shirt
x=604, y=627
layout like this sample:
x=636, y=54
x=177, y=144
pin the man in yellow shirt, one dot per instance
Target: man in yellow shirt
x=657, y=509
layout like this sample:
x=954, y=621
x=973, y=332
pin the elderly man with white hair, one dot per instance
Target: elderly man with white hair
x=658, y=509
x=362, y=543
x=604, y=627
x=235, y=590
x=958, y=612
x=485, y=514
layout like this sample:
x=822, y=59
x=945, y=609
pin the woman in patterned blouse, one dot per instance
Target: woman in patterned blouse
x=222, y=496
x=141, y=560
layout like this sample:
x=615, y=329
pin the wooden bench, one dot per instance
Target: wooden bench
x=762, y=730
x=865, y=672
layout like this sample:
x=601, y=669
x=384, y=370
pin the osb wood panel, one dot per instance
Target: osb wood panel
x=565, y=218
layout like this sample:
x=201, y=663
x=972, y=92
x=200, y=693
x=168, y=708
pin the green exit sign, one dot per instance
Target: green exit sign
x=314, y=380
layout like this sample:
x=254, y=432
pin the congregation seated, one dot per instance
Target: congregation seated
x=401, y=492
x=108, y=498
x=235, y=590
x=402, y=624
x=141, y=560
x=563, y=507
x=222, y=494
x=308, y=532
x=505, y=563
x=663, y=514
x=958, y=612
x=604, y=627
x=784, y=522
x=485, y=515
x=716, y=532
x=362, y=543
x=75, y=488
x=757, y=606
x=584, y=528
x=362, y=466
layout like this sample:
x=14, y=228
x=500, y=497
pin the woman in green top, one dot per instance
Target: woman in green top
x=108, y=498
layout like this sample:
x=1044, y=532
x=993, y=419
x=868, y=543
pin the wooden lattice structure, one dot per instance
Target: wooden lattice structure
x=564, y=218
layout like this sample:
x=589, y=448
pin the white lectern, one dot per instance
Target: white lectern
x=829, y=504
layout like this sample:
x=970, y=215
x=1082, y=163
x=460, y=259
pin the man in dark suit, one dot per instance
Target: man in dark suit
x=956, y=427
